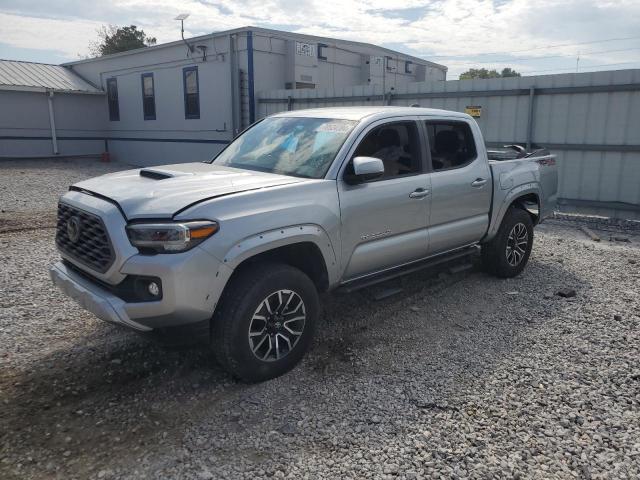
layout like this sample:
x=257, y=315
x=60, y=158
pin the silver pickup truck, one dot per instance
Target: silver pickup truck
x=302, y=202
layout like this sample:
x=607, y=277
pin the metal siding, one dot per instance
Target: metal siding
x=25, y=129
x=628, y=184
x=590, y=120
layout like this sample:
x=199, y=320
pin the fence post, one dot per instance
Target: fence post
x=532, y=94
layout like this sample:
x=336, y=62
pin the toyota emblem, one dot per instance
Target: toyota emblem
x=73, y=229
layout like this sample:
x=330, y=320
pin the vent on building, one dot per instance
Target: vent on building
x=299, y=85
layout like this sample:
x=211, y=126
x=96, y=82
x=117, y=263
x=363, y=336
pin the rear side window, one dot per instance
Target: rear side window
x=148, y=97
x=452, y=144
x=191, y=92
x=112, y=98
x=397, y=145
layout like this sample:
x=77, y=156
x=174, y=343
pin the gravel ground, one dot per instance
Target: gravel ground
x=30, y=188
x=460, y=375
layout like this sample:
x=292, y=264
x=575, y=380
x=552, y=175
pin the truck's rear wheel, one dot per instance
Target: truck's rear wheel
x=508, y=252
x=265, y=321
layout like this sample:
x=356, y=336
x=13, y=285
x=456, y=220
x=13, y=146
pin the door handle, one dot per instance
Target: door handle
x=419, y=193
x=478, y=182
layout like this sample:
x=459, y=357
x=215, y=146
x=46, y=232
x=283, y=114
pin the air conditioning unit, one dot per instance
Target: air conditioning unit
x=302, y=64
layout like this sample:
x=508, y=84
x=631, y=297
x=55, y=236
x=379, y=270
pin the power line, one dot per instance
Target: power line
x=586, y=67
x=582, y=54
x=534, y=48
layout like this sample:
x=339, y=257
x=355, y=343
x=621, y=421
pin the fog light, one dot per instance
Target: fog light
x=154, y=289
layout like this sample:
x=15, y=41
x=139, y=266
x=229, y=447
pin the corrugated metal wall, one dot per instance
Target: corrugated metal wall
x=591, y=121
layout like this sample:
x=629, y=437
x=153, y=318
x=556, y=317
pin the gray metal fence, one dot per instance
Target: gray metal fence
x=590, y=120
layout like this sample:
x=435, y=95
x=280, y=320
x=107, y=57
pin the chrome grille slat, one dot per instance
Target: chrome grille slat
x=93, y=247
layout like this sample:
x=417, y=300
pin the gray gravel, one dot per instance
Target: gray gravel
x=30, y=187
x=459, y=376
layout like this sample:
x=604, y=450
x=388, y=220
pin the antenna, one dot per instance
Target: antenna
x=182, y=17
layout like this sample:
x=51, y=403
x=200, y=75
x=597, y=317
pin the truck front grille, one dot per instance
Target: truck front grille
x=83, y=237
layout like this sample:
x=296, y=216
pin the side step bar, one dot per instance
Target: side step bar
x=357, y=284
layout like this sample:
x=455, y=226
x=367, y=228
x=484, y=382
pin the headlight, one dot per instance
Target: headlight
x=170, y=237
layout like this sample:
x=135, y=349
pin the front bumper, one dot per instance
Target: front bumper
x=93, y=298
x=192, y=283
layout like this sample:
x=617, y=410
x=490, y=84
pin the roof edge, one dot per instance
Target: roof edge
x=254, y=29
x=23, y=88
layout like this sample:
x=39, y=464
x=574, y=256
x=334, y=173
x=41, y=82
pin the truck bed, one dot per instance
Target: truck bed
x=516, y=176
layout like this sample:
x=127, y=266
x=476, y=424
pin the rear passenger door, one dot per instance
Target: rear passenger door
x=461, y=185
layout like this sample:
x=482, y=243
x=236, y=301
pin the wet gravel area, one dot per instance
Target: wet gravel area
x=459, y=375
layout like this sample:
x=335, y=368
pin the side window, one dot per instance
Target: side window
x=148, y=97
x=397, y=145
x=452, y=144
x=191, y=92
x=112, y=98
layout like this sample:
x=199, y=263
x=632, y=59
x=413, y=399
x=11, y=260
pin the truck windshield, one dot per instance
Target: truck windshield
x=297, y=146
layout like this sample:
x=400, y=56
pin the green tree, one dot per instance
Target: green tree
x=113, y=39
x=509, y=72
x=484, y=73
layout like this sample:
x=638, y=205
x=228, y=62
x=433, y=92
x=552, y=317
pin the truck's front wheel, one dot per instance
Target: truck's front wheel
x=265, y=321
x=508, y=252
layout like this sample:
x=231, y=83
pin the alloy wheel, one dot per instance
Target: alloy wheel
x=517, y=244
x=277, y=325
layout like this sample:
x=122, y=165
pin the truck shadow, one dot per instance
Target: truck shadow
x=117, y=396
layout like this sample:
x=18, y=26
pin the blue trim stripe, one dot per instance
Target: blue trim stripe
x=169, y=140
x=252, y=100
x=125, y=139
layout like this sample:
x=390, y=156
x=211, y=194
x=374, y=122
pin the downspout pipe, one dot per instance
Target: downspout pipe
x=52, y=123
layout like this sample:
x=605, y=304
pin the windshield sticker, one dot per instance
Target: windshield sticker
x=337, y=127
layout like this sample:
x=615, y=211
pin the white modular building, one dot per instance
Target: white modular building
x=184, y=101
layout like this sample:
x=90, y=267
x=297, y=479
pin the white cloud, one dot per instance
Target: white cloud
x=67, y=37
x=457, y=29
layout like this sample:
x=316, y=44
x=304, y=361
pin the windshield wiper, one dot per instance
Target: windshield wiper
x=258, y=168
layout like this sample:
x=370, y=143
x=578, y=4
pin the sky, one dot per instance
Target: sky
x=533, y=37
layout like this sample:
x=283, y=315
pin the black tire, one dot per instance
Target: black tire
x=499, y=257
x=236, y=328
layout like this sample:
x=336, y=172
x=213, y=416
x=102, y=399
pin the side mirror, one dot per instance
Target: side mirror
x=365, y=169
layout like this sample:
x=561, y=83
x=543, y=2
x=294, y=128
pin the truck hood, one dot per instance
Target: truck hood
x=159, y=192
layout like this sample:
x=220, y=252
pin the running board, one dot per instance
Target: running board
x=357, y=284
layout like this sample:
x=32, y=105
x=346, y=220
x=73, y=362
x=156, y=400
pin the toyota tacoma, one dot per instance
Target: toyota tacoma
x=302, y=202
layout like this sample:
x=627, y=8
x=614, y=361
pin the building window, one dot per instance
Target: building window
x=191, y=92
x=112, y=98
x=321, y=54
x=407, y=66
x=148, y=97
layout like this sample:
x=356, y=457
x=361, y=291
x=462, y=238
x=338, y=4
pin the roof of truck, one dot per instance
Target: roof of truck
x=360, y=113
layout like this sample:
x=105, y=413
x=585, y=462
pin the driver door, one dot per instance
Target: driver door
x=384, y=221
